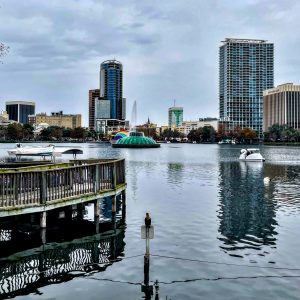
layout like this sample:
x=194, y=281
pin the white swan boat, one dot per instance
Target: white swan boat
x=251, y=155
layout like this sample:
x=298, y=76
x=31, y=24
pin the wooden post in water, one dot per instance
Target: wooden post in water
x=113, y=212
x=123, y=195
x=113, y=247
x=97, y=214
x=43, y=199
x=43, y=219
x=79, y=211
x=68, y=213
x=97, y=186
x=114, y=176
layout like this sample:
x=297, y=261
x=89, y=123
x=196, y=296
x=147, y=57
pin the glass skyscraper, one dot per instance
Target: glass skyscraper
x=20, y=110
x=246, y=70
x=111, y=87
x=175, y=116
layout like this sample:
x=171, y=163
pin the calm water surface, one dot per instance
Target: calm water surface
x=205, y=206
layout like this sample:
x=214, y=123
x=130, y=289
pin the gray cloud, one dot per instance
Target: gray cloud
x=169, y=49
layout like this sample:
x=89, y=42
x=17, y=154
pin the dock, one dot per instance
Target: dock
x=39, y=189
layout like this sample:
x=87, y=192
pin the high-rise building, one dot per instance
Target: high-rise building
x=282, y=106
x=111, y=87
x=246, y=69
x=93, y=94
x=102, y=109
x=175, y=116
x=20, y=110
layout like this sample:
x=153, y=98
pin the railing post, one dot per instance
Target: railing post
x=114, y=176
x=97, y=214
x=113, y=212
x=15, y=189
x=43, y=188
x=123, y=171
x=123, y=194
x=97, y=178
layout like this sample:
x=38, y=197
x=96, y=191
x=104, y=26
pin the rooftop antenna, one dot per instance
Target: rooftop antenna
x=174, y=103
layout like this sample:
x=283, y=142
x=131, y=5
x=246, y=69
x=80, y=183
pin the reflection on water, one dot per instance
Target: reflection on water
x=27, y=271
x=175, y=173
x=246, y=210
x=286, y=182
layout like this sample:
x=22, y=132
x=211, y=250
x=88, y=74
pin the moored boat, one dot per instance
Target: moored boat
x=21, y=150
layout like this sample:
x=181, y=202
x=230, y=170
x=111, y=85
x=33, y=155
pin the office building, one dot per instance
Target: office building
x=246, y=69
x=187, y=126
x=110, y=126
x=175, y=117
x=102, y=109
x=19, y=110
x=59, y=119
x=4, y=119
x=111, y=88
x=93, y=94
x=282, y=106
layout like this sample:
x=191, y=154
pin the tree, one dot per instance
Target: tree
x=51, y=133
x=15, y=131
x=3, y=133
x=27, y=131
x=78, y=133
x=56, y=133
x=208, y=134
x=275, y=132
x=66, y=132
x=248, y=134
x=192, y=136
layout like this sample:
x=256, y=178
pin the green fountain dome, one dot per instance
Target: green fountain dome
x=136, y=140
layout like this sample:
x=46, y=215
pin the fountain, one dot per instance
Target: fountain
x=135, y=139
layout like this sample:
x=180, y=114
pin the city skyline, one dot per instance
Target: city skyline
x=165, y=49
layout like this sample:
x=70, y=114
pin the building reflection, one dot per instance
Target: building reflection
x=106, y=209
x=246, y=210
x=175, y=173
x=56, y=262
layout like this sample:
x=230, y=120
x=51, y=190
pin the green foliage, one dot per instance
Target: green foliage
x=78, y=133
x=206, y=134
x=169, y=134
x=19, y=132
x=281, y=133
x=14, y=131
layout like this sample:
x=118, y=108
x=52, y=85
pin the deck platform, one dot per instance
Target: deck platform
x=38, y=189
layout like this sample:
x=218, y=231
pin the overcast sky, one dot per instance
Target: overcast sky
x=169, y=50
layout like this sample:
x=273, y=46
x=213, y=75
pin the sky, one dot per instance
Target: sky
x=168, y=48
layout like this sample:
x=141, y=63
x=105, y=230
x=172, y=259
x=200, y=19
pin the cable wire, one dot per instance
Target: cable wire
x=228, y=278
x=227, y=264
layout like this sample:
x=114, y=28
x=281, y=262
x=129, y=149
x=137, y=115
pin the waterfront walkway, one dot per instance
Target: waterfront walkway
x=39, y=189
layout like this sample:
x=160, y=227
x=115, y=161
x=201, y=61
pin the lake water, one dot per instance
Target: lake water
x=230, y=235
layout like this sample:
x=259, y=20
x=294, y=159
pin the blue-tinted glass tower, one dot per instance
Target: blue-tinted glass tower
x=111, y=87
x=246, y=69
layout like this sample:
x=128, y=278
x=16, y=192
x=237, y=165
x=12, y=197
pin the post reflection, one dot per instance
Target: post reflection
x=246, y=210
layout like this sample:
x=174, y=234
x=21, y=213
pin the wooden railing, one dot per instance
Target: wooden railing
x=28, y=188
